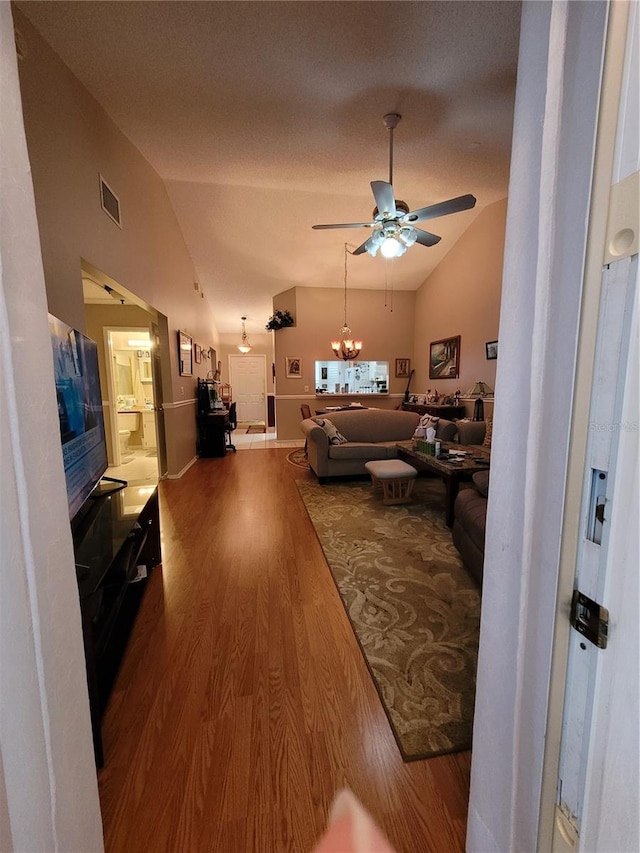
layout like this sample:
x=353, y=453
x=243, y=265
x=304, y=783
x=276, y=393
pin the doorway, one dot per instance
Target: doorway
x=129, y=373
x=128, y=333
x=248, y=375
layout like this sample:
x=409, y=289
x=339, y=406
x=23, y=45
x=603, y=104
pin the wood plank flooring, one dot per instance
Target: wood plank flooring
x=243, y=702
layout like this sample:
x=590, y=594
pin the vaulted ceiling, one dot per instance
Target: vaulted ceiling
x=264, y=118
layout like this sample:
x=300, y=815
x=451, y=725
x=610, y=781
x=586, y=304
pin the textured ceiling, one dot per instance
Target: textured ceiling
x=264, y=118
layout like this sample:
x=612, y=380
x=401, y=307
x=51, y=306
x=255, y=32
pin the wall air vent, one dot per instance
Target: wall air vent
x=109, y=202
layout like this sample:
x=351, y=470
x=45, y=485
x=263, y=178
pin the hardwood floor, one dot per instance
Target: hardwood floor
x=243, y=702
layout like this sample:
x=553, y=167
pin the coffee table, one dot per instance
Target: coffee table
x=452, y=473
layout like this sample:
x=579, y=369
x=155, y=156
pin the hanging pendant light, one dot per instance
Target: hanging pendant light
x=244, y=346
x=346, y=348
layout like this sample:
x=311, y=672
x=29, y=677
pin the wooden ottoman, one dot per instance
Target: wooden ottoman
x=396, y=478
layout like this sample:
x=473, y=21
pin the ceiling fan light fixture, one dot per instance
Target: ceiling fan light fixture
x=392, y=248
x=391, y=216
x=408, y=236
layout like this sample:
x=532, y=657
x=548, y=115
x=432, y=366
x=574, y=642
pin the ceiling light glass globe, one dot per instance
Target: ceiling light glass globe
x=390, y=248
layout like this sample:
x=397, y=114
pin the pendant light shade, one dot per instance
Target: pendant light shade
x=244, y=346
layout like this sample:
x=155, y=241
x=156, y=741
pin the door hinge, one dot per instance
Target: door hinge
x=590, y=619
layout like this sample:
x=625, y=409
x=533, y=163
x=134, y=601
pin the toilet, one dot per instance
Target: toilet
x=128, y=422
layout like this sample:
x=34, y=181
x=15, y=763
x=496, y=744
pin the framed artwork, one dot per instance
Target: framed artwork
x=197, y=353
x=293, y=367
x=492, y=349
x=185, y=354
x=444, y=358
x=402, y=368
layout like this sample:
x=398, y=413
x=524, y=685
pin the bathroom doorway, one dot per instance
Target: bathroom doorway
x=129, y=359
x=129, y=362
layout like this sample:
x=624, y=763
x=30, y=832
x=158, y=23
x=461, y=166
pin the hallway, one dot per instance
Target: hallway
x=243, y=702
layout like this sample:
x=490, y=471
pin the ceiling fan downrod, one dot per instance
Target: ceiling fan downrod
x=391, y=121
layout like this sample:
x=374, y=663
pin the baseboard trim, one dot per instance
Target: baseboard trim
x=184, y=470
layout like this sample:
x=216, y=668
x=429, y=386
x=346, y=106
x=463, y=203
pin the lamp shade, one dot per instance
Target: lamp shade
x=480, y=389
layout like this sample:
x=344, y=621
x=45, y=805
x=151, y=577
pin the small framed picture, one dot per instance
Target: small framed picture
x=402, y=368
x=185, y=354
x=492, y=349
x=293, y=367
x=197, y=353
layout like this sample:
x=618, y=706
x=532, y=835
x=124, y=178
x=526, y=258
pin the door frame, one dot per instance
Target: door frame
x=554, y=830
x=561, y=47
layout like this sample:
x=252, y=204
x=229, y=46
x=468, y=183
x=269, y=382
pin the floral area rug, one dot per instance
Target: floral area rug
x=413, y=607
x=298, y=458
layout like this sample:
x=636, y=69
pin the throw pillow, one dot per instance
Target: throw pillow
x=429, y=422
x=331, y=431
x=488, y=432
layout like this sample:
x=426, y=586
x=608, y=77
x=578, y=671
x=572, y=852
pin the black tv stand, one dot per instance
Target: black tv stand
x=116, y=545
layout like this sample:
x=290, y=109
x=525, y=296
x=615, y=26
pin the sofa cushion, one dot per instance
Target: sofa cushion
x=471, y=432
x=358, y=450
x=373, y=425
x=446, y=430
x=481, y=482
x=333, y=434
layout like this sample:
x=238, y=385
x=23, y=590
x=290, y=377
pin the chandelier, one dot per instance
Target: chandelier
x=244, y=346
x=346, y=348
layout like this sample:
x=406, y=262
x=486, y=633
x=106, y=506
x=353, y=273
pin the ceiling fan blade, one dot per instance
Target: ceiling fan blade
x=425, y=238
x=385, y=199
x=443, y=208
x=345, y=225
x=361, y=249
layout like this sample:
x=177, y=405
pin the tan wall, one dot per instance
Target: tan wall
x=462, y=297
x=319, y=314
x=71, y=140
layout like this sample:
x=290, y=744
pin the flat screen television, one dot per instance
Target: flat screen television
x=84, y=448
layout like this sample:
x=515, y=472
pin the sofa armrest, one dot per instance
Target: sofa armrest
x=317, y=444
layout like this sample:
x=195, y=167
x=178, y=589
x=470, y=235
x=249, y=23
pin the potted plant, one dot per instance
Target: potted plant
x=279, y=320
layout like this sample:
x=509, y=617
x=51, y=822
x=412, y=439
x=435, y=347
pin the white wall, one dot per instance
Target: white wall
x=48, y=789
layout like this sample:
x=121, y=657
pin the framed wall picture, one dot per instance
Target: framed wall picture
x=492, y=349
x=402, y=368
x=444, y=358
x=185, y=354
x=293, y=367
x=197, y=353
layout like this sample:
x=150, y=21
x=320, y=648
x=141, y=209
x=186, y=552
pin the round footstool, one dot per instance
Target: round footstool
x=396, y=478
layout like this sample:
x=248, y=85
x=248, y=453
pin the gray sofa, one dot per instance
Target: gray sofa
x=371, y=434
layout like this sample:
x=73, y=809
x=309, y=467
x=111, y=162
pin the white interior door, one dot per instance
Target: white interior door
x=249, y=386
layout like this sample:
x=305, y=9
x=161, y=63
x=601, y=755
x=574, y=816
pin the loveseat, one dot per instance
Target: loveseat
x=470, y=519
x=470, y=508
x=370, y=434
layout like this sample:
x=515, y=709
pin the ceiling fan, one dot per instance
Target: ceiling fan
x=393, y=222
